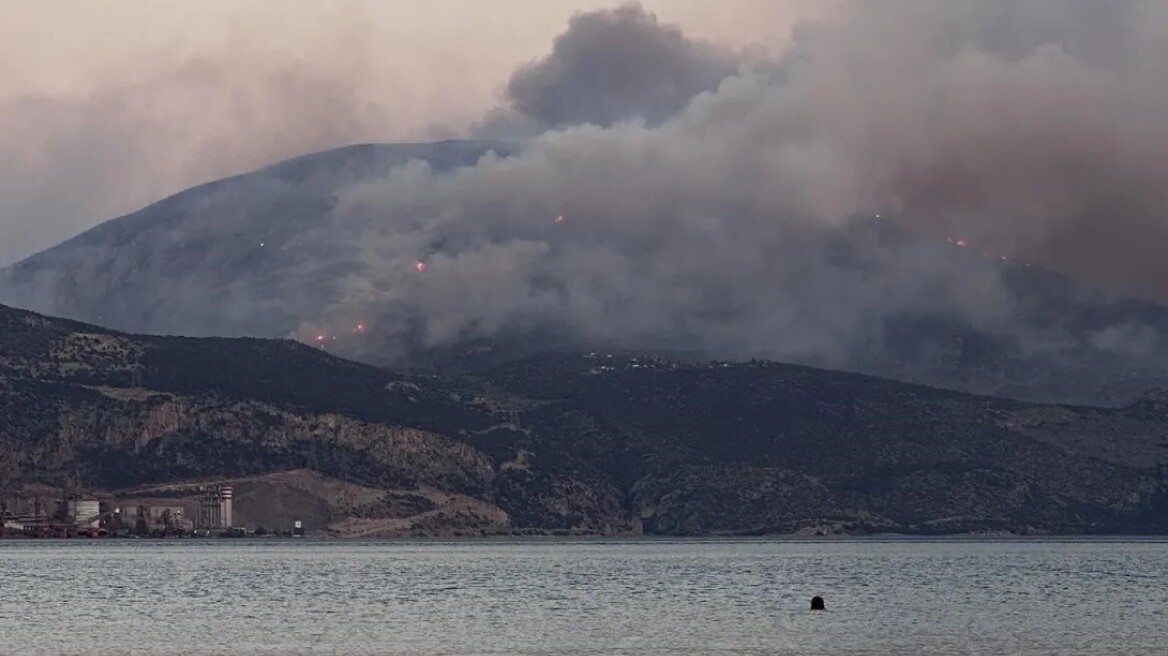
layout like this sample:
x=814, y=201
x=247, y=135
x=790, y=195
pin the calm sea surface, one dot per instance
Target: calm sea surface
x=583, y=597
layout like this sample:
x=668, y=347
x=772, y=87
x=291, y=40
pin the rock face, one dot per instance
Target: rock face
x=598, y=443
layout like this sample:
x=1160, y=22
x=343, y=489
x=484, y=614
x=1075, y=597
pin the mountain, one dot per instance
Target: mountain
x=280, y=252
x=224, y=258
x=588, y=442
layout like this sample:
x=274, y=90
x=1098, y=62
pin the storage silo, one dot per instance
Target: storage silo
x=225, y=503
x=86, y=511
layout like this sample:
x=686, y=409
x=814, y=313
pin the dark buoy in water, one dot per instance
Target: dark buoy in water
x=817, y=603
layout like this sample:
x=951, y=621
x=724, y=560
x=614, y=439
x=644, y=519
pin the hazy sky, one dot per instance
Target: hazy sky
x=110, y=104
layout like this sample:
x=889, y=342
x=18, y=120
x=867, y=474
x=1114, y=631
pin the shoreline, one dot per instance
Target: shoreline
x=620, y=539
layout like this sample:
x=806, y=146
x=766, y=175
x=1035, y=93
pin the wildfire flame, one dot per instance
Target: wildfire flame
x=420, y=266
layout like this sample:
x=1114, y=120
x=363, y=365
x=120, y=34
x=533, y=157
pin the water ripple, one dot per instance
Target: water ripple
x=708, y=597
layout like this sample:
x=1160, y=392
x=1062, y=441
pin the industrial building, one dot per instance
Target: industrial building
x=85, y=513
x=46, y=515
x=153, y=518
x=215, y=511
x=43, y=516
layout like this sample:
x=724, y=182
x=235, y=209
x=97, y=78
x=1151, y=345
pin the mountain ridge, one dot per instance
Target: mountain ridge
x=578, y=442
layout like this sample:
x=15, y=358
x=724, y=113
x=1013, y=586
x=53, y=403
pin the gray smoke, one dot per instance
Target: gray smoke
x=616, y=65
x=1030, y=127
x=1031, y=130
x=610, y=66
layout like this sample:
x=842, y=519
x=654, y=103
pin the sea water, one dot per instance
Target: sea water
x=563, y=597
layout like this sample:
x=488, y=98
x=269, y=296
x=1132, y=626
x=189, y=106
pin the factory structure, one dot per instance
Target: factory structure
x=215, y=509
x=43, y=515
x=46, y=516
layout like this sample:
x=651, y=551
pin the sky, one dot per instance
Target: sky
x=111, y=104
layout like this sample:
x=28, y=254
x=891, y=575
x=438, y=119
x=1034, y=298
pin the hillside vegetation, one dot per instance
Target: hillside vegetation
x=600, y=443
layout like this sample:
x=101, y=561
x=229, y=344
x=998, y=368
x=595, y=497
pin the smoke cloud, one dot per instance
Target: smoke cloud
x=1032, y=130
x=625, y=235
x=616, y=65
x=713, y=201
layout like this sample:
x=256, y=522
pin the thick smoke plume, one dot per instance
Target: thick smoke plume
x=1031, y=130
x=1033, y=127
x=612, y=66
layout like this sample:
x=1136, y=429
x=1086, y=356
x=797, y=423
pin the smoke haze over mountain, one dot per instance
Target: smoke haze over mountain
x=112, y=105
x=730, y=205
x=1029, y=130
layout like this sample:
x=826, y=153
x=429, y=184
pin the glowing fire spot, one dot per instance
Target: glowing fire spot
x=420, y=266
x=559, y=218
x=320, y=338
x=960, y=243
x=359, y=328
